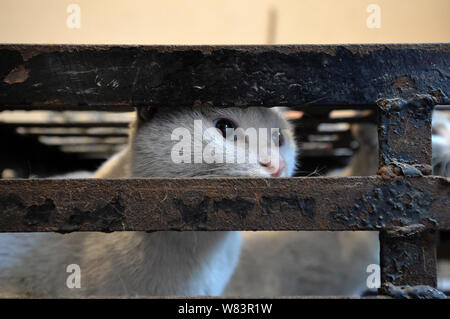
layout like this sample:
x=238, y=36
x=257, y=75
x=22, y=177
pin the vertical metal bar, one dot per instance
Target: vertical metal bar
x=408, y=253
x=408, y=258
x=404, y=135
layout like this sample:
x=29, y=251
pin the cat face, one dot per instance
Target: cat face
x=214, y=142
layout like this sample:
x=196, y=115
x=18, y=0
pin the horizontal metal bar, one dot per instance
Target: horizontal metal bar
x=84, y=77
x=348, y=203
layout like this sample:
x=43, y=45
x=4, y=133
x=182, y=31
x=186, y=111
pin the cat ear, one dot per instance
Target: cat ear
x=146, y=113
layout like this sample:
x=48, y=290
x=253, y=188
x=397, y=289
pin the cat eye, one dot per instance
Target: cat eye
x=278, y=138
x=223, y=124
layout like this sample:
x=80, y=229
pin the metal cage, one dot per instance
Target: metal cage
x=402, y=83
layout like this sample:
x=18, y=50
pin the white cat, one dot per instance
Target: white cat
x=139, y=263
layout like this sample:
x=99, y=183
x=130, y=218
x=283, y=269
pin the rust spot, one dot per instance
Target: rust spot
x=404, y=83
x=17, y=75
x=29, y=52
x=395, y=169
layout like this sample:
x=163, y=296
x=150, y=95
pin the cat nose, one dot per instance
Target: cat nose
x=275, y=168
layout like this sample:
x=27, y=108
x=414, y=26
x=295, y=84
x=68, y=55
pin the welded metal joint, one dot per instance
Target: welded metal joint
x=404, y=135
x=408, y=252
x=412, y=292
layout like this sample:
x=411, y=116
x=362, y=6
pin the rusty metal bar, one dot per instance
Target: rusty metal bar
x=86, y=77
x=405, y=135
x=407, y=253
x=408, y=257
x=352, y=203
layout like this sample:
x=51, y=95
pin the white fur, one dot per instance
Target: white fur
x=441, y=143
x=136, y=263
